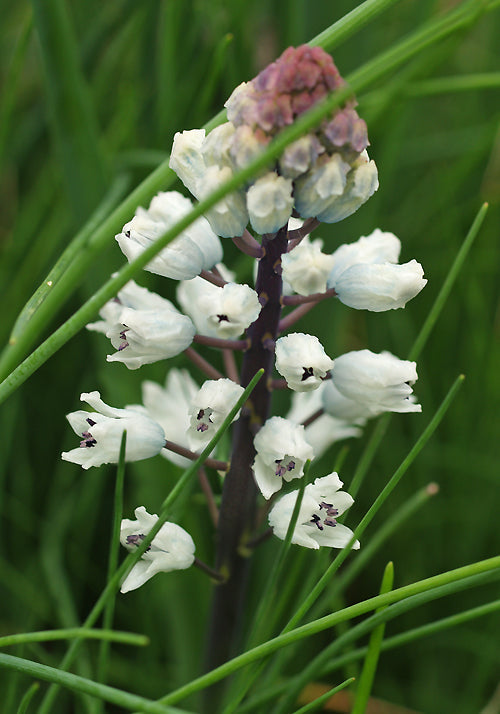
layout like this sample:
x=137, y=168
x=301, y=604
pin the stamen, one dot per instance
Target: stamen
x=122, y=337
x=308, y=372
x=136, y=539
x=317, y=521
x=280, y=470
x=330, y=522
x=330, y=511
x=88, y=440
x=223, y=318
x=90, y=421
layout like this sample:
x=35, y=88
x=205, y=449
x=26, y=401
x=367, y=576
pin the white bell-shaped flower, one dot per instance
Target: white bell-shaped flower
x=229, y=217
x=302, y=361
x=361, y=184
x=170, y=406
x=223, y=312
x=380, y=381
x=325, y=430
x=186, y=157
x=143, y=327
x=203, y=164
x=378, y=247
x=197, y=248
x=306, y=268
x=316, y=526
x=101, y=433
x=172, y=548
x=347, y=410
x=282, y=451
x=299, y=156
x=209, y=407
x=270, y=203
x=324, y=184
x=380, y=286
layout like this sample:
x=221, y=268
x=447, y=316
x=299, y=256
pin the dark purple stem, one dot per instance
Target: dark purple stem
x=192, y=455
x=202, y=364
x=213, y=278
x=294, y=237
x=237, y=509
x=248, y=245
x=220, y=343
x=302, y=299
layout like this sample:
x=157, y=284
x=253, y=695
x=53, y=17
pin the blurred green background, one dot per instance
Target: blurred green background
x=92, y=94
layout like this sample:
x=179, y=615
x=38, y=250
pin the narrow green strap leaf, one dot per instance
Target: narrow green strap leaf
x=109, y=609
x=127, y=638
x=12, y=81
x=460, y=83
x=344, y=28
x=457, y=579
x=25, y=701
x=71, y=266
x=367, y=676
x=316, y=704
x=377, y=539
x=71, y=111
x=438, y=305
x=404, y=638
x=86, y=686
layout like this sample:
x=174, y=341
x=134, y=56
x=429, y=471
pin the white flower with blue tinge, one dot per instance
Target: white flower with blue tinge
x=302, y=361
x=325, y=429
x=306, y=268
x=143, y=327
x=170, y=407
x=270, y=203
x=202, y=169
x=172, y=548
x=317, y=525
x=380, y=286
x=197, y=248
x=101, y=434
x=209, y=407
x=366, y=276
x=341, y=407
x=282, y=451
x=223, y=312
x=382, y=382
x=378, y=247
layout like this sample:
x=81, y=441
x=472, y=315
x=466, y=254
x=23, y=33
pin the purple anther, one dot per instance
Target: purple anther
x=330, y=510
x=135, y=539
x=317, y=521
x=308, y=372
x=202, y=427
x=90, y=422
x=330, y=522
x=280, y=470
x=88, y=440
x=291, y=465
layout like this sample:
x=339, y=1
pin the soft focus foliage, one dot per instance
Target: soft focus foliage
x=150, y=70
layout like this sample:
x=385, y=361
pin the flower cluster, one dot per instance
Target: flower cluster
x=323, y=177
x=325, y=174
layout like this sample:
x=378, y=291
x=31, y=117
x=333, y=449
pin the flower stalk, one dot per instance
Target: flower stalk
x=237, y=510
